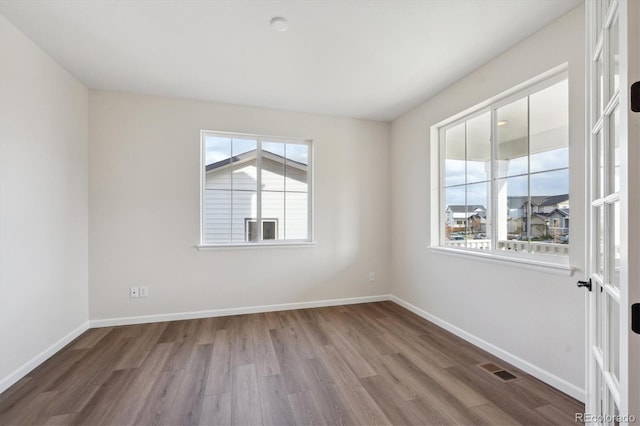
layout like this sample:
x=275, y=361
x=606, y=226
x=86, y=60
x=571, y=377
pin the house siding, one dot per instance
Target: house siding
x=230, y=198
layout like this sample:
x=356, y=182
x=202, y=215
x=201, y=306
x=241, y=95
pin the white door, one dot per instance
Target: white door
x=613, y=355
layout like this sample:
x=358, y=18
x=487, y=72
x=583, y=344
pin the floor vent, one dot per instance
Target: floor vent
x=498, y=371
x=505, y=375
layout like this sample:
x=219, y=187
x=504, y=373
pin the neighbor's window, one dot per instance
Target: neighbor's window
x=255, y=189
x=269, y=229
x=505, y=174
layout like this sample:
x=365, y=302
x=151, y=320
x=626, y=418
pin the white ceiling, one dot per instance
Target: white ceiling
x=355, y=58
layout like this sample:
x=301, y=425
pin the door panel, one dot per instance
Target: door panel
x=613, y=367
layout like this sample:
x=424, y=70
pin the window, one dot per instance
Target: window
x=504, y=174
x=255, y=189
x=269, y=229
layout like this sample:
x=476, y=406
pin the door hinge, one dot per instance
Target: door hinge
x=635, y=97
x=635, y=317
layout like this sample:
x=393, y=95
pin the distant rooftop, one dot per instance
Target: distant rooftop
x=538, y=200
x=245, y=156
x=461, y=208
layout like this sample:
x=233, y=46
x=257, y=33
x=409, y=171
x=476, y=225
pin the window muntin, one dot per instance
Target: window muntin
x=249, y=180
x=510, y=191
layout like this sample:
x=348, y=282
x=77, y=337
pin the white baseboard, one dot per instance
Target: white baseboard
x=22, y=371
x=235, y=311
x=537, y=372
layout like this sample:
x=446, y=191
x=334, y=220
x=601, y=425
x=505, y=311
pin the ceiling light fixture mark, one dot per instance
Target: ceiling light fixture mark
x=279, y=24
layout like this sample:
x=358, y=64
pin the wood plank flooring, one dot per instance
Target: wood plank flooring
x=366, y=364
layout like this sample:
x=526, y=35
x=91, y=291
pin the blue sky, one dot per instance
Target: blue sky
x=543, y=180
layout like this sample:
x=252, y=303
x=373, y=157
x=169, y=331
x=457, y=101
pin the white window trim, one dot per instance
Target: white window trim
x=254, y=246
x=542, y=262
x=539, y=262
x=309, y=242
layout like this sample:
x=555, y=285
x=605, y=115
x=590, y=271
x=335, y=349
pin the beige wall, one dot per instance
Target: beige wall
x=43, y=205
x=144, y=210
x=534, y=316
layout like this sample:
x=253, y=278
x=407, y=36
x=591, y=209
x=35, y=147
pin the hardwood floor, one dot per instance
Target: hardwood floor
x=365, y=364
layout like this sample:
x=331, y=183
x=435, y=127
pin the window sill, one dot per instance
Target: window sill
x=549, y=264
x=253, y=246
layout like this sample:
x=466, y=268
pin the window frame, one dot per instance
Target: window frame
x=438, y=232
x=309, y=241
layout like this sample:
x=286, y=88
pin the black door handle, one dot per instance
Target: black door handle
x=586, y=284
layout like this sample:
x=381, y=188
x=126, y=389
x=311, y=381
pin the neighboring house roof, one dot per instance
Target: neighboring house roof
x=230, y=160
x=457, y=208
x=555, y=212
x=545, y=201
x=246, y=156
x=460, y=210
x=538, y=200
x=561, y=212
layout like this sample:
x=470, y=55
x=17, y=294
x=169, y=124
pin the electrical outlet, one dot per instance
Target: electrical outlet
x=372, y=276
x=133, y=292
x=144, y=291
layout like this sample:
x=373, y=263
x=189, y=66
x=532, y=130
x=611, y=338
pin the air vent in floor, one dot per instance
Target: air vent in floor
x=497, y=371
